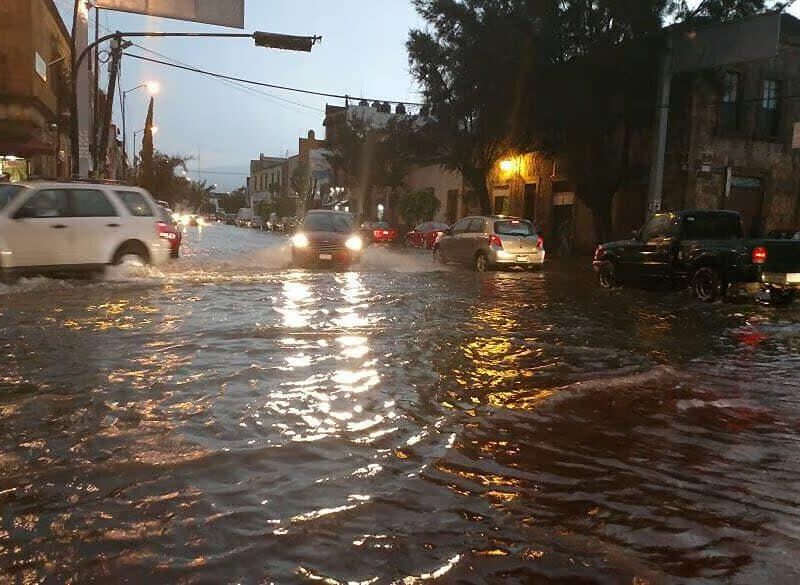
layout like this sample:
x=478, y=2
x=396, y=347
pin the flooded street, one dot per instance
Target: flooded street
x=226, y=419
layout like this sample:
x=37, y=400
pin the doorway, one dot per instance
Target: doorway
x=529, y=203
x=747, y=197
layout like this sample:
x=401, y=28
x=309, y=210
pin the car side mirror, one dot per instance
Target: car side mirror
x=448, y=232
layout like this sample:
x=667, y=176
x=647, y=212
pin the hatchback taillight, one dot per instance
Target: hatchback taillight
x=598, y=253
x=759, y=255
x=540, y=242
x=494, y=240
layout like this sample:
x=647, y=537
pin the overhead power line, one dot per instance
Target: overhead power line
x=270, y=85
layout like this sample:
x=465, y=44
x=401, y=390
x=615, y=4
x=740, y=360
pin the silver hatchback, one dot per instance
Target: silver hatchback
x=486, y=243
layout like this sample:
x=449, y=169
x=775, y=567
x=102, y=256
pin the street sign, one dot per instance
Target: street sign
x=41, y=67
x=739, y=41
x=220, y=12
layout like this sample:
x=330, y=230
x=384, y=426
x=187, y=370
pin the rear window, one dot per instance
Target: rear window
x=91, y=203
x=514, y=227
x=327, y=222
x=136, y=203
x=712, y=226
x=7, y=193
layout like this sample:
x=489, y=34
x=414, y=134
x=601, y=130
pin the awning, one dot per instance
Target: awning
x=24, y=147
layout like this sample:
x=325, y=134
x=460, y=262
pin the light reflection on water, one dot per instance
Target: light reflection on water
x=232, y=421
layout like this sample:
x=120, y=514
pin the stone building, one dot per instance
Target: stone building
x=731, y=140
x=34, y=90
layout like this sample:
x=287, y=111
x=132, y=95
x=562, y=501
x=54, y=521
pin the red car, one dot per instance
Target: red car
x=425, y=234
x=167, y=230
x=378, y=232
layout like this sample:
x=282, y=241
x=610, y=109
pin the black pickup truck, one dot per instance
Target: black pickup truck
x=705, y=250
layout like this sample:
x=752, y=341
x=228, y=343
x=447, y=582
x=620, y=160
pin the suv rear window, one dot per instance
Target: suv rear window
x=136, y=203
x=712, y=226
x=7, y=193
x=514, y=227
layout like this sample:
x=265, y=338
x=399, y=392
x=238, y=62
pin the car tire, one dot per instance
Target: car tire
x=707, y=284
x=607, y=275
x=131, y=252
x=481, y=262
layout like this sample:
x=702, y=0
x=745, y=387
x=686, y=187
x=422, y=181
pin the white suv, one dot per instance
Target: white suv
x=57, y=227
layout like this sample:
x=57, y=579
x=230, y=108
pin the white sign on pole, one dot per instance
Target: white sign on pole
x=796, y=135
x=41, y=67
x=220, y=12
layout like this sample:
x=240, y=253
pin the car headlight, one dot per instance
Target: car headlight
x=354, y=243
x=300, y=241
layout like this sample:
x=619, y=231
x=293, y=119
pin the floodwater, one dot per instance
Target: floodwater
x=229, y=420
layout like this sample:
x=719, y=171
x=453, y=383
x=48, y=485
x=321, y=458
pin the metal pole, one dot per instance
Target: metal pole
x=654, y=196
x=124, y=141
x=96, y=93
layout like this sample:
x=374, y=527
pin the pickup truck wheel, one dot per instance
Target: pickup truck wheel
x=607, y=275
x=707, y=284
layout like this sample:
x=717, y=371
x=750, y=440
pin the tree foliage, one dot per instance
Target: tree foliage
x=418, y=206
x=234, y=201
x=575, y=78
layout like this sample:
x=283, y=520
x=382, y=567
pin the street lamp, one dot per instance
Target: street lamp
x=153, y=87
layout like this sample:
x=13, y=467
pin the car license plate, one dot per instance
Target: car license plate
x=326, y=256
x=523, y=259
x=793, y=278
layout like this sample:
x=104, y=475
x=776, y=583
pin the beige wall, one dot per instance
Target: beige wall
x=441, y=181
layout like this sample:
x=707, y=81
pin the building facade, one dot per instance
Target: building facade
x=738, y=143
x=34, y=90
x=267, y=178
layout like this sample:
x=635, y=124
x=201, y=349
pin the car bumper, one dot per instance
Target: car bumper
x=503, y=258
x=309, y=257
x=782, y=279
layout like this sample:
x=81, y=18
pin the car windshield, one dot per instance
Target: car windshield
x=712, y=226
x=327, y=222
x=514, y=227
x=7, y=193
x=379, y=225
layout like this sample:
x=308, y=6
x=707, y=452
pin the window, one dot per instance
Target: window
x=327, y=222
x=476, y=226
x=135, y=203
x=90, y=203
x=514, y=227
x=729, y=114
x=48, y=203
x=712, y=226
x=771, y=90
x=659, y=226
x=7, y=193
x=501, y=205
x=461, y=226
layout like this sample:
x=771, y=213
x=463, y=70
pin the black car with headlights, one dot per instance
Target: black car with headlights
x=326, y=238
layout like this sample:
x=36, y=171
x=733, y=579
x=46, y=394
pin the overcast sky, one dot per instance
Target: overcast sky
x=222, y=125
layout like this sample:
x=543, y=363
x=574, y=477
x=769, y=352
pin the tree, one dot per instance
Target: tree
x=351, y=156
x=147, y=178
x=234, y=201
x=418, y=206
x=164, y=183
x=396, y=152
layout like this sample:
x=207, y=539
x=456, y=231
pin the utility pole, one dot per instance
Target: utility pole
x=101, y=159
x=654, y=195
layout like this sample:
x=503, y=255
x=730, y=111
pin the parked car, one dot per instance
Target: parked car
x=425, y=234
x=326, y=238
x=705, y=250
x=786, y=234
x=54, y=227
x=169, y=232
x=257, y=223
x=230, y=218
x=378, y=232
x=486, y=243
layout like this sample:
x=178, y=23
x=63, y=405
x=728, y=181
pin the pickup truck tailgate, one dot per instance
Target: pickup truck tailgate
x=782, y=265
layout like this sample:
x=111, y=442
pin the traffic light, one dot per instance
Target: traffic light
x=285, y=42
